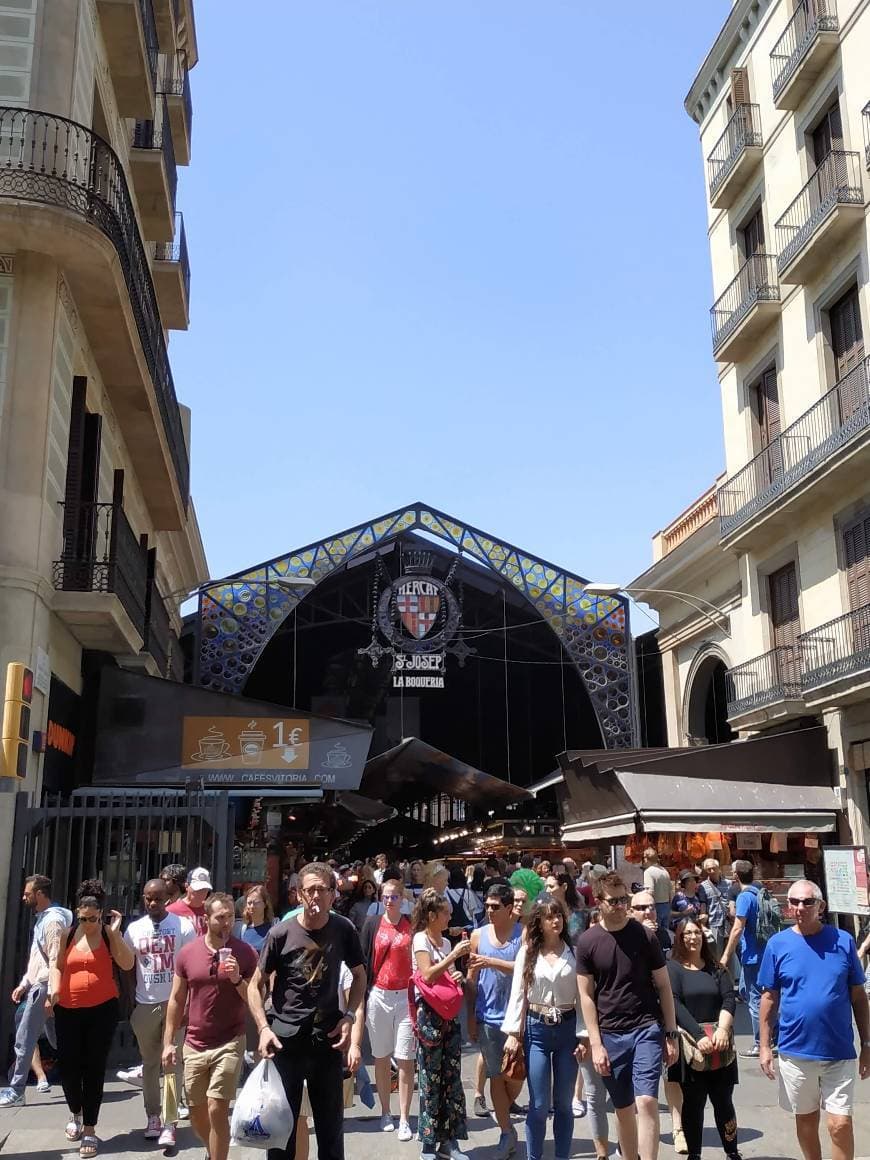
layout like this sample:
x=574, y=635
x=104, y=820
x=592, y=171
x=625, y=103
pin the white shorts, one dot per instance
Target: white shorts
x=807, y=1084
x=389, y=1025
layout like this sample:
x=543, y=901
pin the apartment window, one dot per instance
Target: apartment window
x=785, y=621
x=828, y=134
x=856, y=557
x=764, y=399
x=847, y=334
x=82, y=477
x=751, y=235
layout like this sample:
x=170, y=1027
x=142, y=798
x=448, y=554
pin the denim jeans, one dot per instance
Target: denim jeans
x=551, y=1073
x=30, y=1020
x=751, y=993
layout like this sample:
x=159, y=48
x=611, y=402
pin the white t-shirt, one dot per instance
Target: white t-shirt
x=155, y=948
x=420, y=942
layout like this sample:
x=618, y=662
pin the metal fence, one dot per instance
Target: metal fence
x=810, y=18
x=836, y=649
x=756, y=281
x=773, y=676
x=837, y=181
x=743, y=131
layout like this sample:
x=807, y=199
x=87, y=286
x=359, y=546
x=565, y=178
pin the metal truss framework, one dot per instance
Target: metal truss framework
x=238, y=617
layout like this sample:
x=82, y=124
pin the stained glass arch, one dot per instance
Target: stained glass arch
x=238, y=617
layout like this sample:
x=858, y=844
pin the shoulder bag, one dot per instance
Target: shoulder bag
x=697, y=1060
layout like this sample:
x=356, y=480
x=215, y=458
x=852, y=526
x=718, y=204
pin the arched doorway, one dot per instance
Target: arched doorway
x=707, y=706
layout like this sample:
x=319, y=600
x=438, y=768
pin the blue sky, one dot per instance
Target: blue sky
x=448, y=251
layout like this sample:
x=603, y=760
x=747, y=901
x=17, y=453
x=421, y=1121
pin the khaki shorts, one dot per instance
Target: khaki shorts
x=213, y=1074
x=805, y=1084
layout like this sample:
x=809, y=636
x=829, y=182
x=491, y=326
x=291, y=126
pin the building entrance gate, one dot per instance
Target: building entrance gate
x=121, y=836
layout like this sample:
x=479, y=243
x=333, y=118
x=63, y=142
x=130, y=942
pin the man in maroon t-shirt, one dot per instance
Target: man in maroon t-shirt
x=212, y=973
x=192, y=906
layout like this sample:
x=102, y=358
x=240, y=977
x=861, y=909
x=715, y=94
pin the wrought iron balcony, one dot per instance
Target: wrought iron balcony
x=172, y=277
x=765, y=680
x=809, y=40
x=839, y=417
x=740, y=314
x=102, y=554
x=830, y=202
x=840, y=648
x=155, y=173
x=734, y=155
x=160, y=639
x=174, y=84
x=56, y=162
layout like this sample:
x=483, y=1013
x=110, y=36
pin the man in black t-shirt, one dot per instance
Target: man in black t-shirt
x=626, y=996
x=301, y=964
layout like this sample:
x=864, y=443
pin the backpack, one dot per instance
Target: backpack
x=769, y=919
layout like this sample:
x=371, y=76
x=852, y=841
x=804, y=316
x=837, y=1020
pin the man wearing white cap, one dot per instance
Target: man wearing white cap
x=192, y=906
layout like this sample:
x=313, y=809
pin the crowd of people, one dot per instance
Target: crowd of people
x=586, y=990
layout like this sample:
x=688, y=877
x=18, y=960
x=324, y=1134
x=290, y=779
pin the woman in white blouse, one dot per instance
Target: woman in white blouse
x=545, y=1020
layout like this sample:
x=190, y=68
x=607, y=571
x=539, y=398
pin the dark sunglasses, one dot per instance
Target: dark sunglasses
x=643, y=906
x=622, y=900
x=89, y=917
x=492, y=906
x=802, y=901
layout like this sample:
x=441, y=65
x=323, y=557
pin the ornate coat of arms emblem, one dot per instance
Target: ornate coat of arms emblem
x=418, y=603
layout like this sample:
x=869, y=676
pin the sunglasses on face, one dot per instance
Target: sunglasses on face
x=802, y=901
x=643, y=906
x=492, y=906
x=622, y=900
x=89, y=917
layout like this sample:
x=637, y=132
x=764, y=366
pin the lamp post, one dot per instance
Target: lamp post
x=699, y=603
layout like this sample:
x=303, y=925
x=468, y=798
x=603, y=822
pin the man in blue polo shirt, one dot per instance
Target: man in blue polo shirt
x=813, y=976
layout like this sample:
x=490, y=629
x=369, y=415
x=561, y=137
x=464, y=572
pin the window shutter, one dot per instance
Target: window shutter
x=856, y=553
x=784, y=612
x=847, y=335
x=74, y=468
x=740, y=86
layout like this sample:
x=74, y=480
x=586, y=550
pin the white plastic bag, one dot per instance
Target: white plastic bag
x=262, y=1117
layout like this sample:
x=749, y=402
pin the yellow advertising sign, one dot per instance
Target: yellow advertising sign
x=236, y=742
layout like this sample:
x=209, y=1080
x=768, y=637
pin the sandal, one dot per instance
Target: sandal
x=89, y=1147
x=73, y=1130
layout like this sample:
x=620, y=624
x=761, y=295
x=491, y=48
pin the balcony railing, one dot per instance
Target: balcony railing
x=174, y=81
x=157, y=134
x=176, y=251
x=756, y=281
x=838, y=417
x=837, y=181
x=743, y=131
x=702, y=511
x=865, y=116
x=102, y=554
x=53, y=161
x=837, y=649
x=149, y=29
x=774, y=676
x=810, y=18
x=160, y=639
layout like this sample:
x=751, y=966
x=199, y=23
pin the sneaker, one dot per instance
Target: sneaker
x=578, y=1107
x=167, y=1137
x=183, y=1112
x=10, y=1098
x=153, y=1128
x=387, y=1124
x=43, y=1086
x=405, y=1134
x=518, y=1109
x=132, y=1075
x=507, y=1145
x=752, y=1053
x=680, y=1146
x=480, y=1108
x=454, y=1151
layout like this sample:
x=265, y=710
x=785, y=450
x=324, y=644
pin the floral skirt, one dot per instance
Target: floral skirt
x=442, y=1100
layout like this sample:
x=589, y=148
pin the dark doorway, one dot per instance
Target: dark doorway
x=708, y=709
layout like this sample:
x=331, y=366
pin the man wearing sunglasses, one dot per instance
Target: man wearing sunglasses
x=494, y=947
x=643, y=908
x=812, y=976
x=628, y=1008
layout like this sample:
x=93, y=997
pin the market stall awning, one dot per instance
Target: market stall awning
x=413, y=771
x=781, y=782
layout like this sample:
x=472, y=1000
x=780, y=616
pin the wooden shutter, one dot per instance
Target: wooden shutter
x=740, y=86
x=765, y=398
x=847, y=335
x=856, y=555
x=753, y=235
x=74, y=466
x=828, y=134
x=784, y=611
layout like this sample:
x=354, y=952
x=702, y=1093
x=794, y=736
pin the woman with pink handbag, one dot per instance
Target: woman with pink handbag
x=437, y=999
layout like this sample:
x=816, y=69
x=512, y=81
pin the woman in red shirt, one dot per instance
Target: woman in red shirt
x=84, y=997
x=386, y=942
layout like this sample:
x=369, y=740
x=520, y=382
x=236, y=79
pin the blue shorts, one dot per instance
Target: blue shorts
x=635, y=1063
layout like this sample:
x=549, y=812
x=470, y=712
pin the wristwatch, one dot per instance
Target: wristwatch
x=672, y=1035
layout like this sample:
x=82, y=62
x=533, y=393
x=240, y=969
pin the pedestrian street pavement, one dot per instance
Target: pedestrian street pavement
x=766, y=1132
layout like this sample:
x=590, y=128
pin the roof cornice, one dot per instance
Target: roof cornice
x=736, y=31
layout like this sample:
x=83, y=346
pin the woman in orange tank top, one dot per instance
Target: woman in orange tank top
x=84, y=997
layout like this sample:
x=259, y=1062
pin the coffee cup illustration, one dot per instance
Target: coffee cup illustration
x=212, y=747
x=251, y=743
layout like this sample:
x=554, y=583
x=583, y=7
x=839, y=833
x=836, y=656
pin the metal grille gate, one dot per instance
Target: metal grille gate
x=122, y=836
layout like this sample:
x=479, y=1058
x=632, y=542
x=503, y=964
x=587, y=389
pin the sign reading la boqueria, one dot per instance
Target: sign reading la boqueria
x=417, y=615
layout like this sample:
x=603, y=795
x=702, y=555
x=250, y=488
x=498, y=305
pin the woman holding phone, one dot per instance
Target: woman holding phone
x=439, y=1042
x=84, y=996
